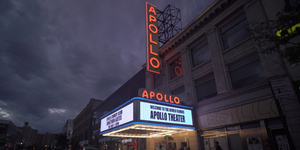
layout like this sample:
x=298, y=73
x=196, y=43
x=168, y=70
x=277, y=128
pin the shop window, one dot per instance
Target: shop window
x=157, y=80
x=209, y=142
x=214, y=131
x=206, y=87
x=200, y=53
x=180, y=93
x=246, y=71
x=235, y=141
x=235, y=31
x=250, y=126
x=233, y=128
x=280, y=139
x=176, y=68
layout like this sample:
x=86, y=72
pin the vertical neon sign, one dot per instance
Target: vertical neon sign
x=135, y=141
x=153, y=60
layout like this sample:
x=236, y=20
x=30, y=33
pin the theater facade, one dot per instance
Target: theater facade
x=209, y=83
x=214, y=66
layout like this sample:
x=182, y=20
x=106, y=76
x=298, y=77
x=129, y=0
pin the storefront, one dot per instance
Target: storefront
x=143, y=123
x=251, y=126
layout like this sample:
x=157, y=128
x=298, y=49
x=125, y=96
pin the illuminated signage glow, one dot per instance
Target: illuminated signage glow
x=126, y=140
x=288, y=31
x=159, y=96
x=165, y=114
x=119, y=117
x=153, y=60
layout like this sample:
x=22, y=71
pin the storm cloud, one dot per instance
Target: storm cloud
x=56, y=55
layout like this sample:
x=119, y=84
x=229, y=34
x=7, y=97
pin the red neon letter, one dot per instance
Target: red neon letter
x=152, y=18
x=151, y=39
x=145, y=94
x=159, y=96
x=135, y=144
x=152, y=25
x=176, y=100
x=176, y=69
x=151, y=62
x=166, y=98
x=151, y=51
x=151, y=9
x=170, y=98
x=152, y=94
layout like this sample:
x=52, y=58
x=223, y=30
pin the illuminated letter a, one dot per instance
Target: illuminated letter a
x=145, y=94
x=151, y=9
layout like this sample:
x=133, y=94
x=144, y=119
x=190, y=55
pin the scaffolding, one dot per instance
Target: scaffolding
x=169, y=23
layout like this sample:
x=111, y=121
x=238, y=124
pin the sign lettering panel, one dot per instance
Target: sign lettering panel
x=119, y=117
x=153, y=60
x=282, y=88
x=165, y=114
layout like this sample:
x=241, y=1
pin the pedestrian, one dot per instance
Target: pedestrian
x=218, y=147
x=182, y=147
x=160, y=147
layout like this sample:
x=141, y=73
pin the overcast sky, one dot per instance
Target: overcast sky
x=57, y=54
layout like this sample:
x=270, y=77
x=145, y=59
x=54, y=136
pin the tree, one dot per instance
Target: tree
x=278, y=35
x=61, y=140
x=75, y=145
x=281, y=36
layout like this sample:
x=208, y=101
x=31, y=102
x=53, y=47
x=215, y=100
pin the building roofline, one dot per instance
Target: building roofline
x=203, y=18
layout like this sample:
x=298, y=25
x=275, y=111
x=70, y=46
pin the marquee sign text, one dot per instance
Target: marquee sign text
x=117, y=118
x=165, y=114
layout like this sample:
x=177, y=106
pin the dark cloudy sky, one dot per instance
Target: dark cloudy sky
x=57, y=54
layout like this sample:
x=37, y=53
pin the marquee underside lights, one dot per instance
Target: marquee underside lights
x=153, y=60
x=146, y=131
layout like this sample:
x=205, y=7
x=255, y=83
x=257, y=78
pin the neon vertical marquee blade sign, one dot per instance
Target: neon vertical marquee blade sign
x=153, y=60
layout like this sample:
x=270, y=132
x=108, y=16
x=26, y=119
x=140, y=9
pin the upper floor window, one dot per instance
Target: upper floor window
x=200, y=53
x=176, y=68
x=96, y=118
x=179, y=92
x=206, y=87
x=246, y=71
x=235, y=31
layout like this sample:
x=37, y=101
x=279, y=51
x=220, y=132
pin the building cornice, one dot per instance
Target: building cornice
x=205, y=17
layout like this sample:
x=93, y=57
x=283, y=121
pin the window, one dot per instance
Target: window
x=176, y=68
x=200, y=53
x=95, y=116
x=157, y=80
x=206, y=87
x=250, y=125
x=180, y=93
x=246, y=71
x=235, y=31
